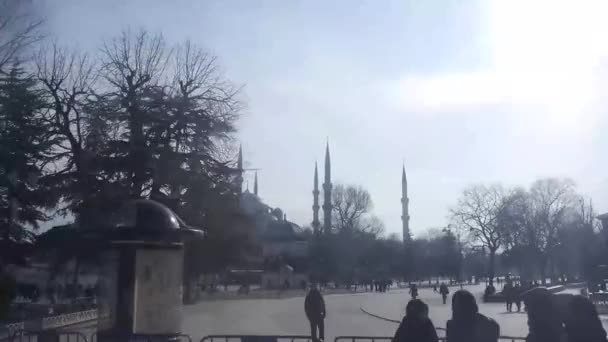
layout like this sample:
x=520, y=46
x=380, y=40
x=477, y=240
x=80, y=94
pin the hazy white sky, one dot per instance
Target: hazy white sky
x=463, y=91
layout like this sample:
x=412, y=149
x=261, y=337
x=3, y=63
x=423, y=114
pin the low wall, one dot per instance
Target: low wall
x=52, y=322
x=500, y=298
x=59, y=321
x=556, y=288
x=600, y=300
x=575, y=285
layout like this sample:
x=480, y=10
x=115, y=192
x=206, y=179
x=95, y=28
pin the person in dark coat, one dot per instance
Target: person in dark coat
x=507, y=291
x=314, y=306
x=416, y=325
x=517, y=296
x=414, y=291
x=544, y=317
x=443, y=289
x=582, y=321
x=467, y=324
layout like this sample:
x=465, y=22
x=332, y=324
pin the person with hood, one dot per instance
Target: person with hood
x=416, y=326
x=582, y=322
x=467, y=324
x=544, y=316
x=314, y=306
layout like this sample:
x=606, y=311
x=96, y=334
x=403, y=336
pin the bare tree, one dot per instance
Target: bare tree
x=551, y=199
x=515, y=218
x=132, y=65
x=17, y=32
x=350, y=205
x=372, y=225
x=67, y=78
x=200, y=118
x=477, y=213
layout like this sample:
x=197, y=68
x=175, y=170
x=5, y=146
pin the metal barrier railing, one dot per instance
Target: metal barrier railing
x=511, y=338
x=105, y=337
x=256, y=338
x=362, y=338
x=388, y=339
x=47, y=336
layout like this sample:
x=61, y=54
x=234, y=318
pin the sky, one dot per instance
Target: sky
x=460, y=91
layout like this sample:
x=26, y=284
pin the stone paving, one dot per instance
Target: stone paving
x=345, y=317
x=392, y=306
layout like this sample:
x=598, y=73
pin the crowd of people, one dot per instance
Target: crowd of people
x=579, y=322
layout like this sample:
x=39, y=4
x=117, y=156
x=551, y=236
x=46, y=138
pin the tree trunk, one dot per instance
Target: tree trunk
x=543, y=269
x=491, y=267
x=75, y=276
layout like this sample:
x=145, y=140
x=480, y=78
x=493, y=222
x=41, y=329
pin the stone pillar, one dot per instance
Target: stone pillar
x=141, y=280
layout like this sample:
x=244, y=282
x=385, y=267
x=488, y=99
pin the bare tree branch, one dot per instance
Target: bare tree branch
x=17, y=32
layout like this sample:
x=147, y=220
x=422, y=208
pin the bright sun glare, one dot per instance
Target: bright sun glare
x=544, y=55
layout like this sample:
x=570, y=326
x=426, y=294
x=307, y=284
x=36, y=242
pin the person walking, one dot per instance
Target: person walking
x=414, y=291
x=467, y=324
x=444, y=291
x=582, y=323
x=314, y=306
x=517, y=296
x=507, y=291
x=416, y=326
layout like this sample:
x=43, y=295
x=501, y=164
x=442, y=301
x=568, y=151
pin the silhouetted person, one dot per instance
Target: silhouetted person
x=508, y=293
x=314, y=306
x=444, y=290
x=467, y=324
x=517, y=296
x=544, y=320
x=414, y=291
x=416, y=325
x=582, y=321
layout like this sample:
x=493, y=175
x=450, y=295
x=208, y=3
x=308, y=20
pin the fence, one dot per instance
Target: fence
x=389, y=339
x=256, y=338
x=46, y=336
x=105, y=337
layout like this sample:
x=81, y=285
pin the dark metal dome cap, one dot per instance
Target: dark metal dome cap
x=149, y=215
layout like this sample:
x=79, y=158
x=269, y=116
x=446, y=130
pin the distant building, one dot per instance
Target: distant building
x=405, y=211
x=283, y=248
x=327, y=206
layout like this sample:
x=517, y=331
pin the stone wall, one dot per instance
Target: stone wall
x=52, y=322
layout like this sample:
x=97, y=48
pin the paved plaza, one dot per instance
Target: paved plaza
x=344, y=315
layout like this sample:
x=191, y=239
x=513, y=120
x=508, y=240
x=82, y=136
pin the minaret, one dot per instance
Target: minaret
x=327, y=193
x=405, y=216
x=255, y=184
x=315, y=203
x=239, y=167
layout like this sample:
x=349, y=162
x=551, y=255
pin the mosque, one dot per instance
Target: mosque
x=327, y=187
x=284, y=244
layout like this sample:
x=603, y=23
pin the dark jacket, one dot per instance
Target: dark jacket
x=314, y=305
x=479, y=329
x=415, y=330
